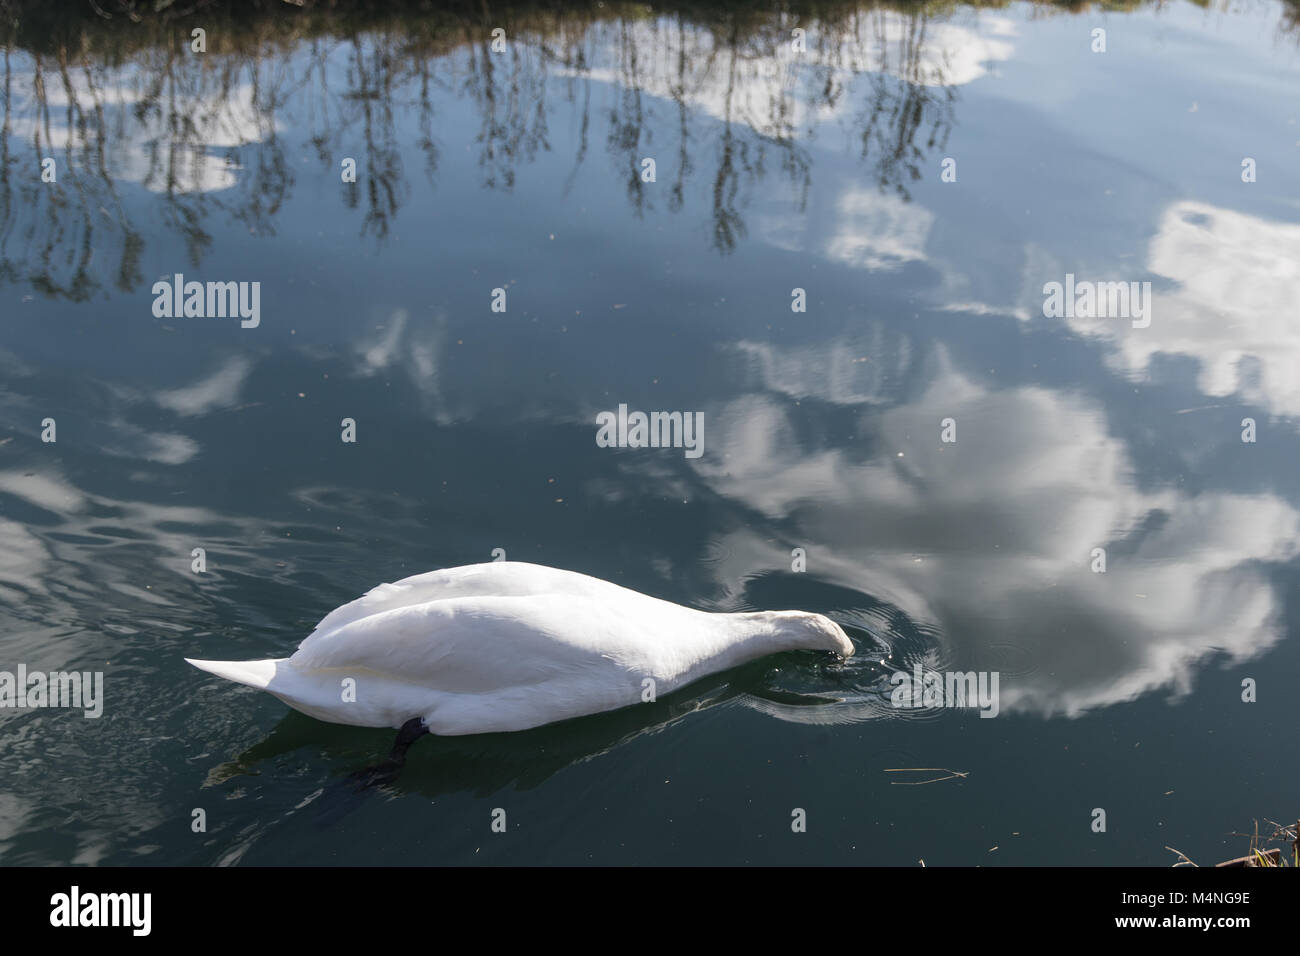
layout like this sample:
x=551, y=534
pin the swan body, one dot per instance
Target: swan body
x=507, y=646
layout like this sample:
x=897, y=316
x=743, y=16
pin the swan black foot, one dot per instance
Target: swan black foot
x=344, y=796
x=387, y=771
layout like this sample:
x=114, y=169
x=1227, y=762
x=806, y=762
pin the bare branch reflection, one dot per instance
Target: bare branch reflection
x=143, y=129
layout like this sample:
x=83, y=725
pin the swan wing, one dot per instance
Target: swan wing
x=481, y=645
x=494, y=578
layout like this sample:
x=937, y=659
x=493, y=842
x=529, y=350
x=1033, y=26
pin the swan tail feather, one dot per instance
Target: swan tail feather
x=250, y=673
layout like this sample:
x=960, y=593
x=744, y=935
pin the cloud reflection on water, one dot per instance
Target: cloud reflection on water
x=991, y=537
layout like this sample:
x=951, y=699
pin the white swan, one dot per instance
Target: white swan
x=506, y=646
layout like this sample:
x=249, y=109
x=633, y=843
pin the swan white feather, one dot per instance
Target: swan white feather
x=507, y=645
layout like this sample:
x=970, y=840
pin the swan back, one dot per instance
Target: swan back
x=494, y=578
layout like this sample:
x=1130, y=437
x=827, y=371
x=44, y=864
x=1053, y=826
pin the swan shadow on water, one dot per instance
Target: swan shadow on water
x=485, y=763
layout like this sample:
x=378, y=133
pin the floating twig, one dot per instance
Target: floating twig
x=1184, y=861
x=952, y=775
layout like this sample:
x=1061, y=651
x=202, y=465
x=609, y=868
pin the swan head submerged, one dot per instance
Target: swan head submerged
x=812, y=631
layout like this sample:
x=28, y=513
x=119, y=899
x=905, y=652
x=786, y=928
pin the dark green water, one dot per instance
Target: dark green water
x=522, y=170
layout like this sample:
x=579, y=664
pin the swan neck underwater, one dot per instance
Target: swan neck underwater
x=508, y=646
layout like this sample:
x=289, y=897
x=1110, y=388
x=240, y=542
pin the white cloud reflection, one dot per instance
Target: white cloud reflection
x=769, y=87
x=990, y=538
x=152, y=154
x=1233, y=308
x=219, y=390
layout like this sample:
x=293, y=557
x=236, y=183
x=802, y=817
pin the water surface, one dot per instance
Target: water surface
x=775, y=170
